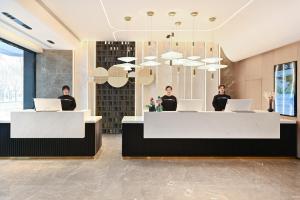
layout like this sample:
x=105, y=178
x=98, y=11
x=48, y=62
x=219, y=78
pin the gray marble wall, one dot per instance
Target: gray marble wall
x=53, y=70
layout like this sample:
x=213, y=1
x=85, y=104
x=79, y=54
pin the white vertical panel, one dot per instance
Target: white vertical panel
x=91, y=84
x=80, y=75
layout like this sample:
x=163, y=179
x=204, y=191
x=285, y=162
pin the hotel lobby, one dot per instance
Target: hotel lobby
x=138, y=100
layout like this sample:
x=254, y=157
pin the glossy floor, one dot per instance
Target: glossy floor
x=110, y=177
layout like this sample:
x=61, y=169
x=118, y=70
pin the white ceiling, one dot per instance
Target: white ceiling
x=243, y=27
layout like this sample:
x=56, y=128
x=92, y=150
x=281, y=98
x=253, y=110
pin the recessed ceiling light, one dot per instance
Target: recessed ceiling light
x=150, y=13
x=19, y=22
x=127, y=18
x=194, y=14
x=178, y=23
x=212, y=19
x=50, y=41
x=172, y=14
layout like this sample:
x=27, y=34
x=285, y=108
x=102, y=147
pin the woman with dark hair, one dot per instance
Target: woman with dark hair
x=220, y=100
x=169, y=102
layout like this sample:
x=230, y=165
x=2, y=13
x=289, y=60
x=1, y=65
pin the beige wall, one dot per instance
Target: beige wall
x=185, y=84
x=253, y=76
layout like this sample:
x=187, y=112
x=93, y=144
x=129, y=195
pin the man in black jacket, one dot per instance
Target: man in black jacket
x=220, y=100
x=67, y=102
x=169, y=102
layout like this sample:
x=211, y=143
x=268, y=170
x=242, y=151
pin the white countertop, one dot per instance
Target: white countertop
x=5, y=117
x=213, y=125
x=133, y=119
x=92, y=119
x=140, y=119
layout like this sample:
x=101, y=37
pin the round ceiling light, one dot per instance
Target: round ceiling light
x=176, y=62
x=150, y=63
x=150, y=57
x=170, y=55
x=212, y=67
x=127, y=59
x=212, y=60
x=193, y=63
x=194, y=57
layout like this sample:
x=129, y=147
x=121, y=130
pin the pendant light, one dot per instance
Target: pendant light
x=171, y=55
x=193, y=57
x=127, y=59
x=150, y=60
x=212, y=61
x=211, y=58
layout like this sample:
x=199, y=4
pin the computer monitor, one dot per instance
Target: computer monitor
x=237, y=105
x=47, y=105
x=190, y=105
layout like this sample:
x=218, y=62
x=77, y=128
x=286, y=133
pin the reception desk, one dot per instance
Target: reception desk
x=67, y=133
x=209, y=134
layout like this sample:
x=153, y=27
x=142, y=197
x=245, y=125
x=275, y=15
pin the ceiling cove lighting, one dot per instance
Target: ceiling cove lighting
x=19, y=22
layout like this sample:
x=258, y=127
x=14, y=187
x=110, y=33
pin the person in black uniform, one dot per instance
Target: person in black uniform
x=67, y=102
x=220, y=100
x=169, y=102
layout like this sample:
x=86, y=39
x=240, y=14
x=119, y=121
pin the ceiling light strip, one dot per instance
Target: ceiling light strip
x=107, y=19
x=50, y=12
x=26, y=34
x=168, y=30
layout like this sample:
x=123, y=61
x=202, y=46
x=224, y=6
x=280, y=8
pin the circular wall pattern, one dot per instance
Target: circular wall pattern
x=100, y=75
x=117, y=77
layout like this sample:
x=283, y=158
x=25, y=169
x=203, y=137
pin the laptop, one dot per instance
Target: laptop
x=239, y=105
x=47, y=105
x=190, y=105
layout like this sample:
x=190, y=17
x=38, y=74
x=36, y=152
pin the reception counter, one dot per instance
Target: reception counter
x=67, y=133
x=209, y=134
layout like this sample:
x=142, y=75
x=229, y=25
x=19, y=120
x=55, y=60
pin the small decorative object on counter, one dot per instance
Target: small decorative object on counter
x=159, y=107
x=151, y=106
x=270, y=97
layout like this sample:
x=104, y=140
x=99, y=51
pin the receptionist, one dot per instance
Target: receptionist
x=169, y=102
x=220, y=100
x=67, y=101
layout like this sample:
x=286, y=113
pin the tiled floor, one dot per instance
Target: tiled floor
x=110, y=177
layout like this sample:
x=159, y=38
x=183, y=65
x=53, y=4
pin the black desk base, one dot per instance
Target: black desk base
x=51, y=147
x=134, y=145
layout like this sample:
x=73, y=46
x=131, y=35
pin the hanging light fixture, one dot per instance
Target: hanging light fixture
x=211, y=58
x=127, y=58
x=212, y=67
x=150, y=63
x=171, y=55
x=150, y=14
x=193, y=63
x=193, y=57
x=126, y=66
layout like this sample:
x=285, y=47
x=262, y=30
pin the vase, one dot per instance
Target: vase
x=270, y=109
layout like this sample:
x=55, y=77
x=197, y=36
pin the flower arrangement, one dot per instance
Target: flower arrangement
x=151, y=105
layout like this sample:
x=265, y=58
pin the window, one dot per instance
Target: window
x=11, y=77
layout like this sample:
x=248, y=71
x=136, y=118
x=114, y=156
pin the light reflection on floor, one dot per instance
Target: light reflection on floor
x=110, y=177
